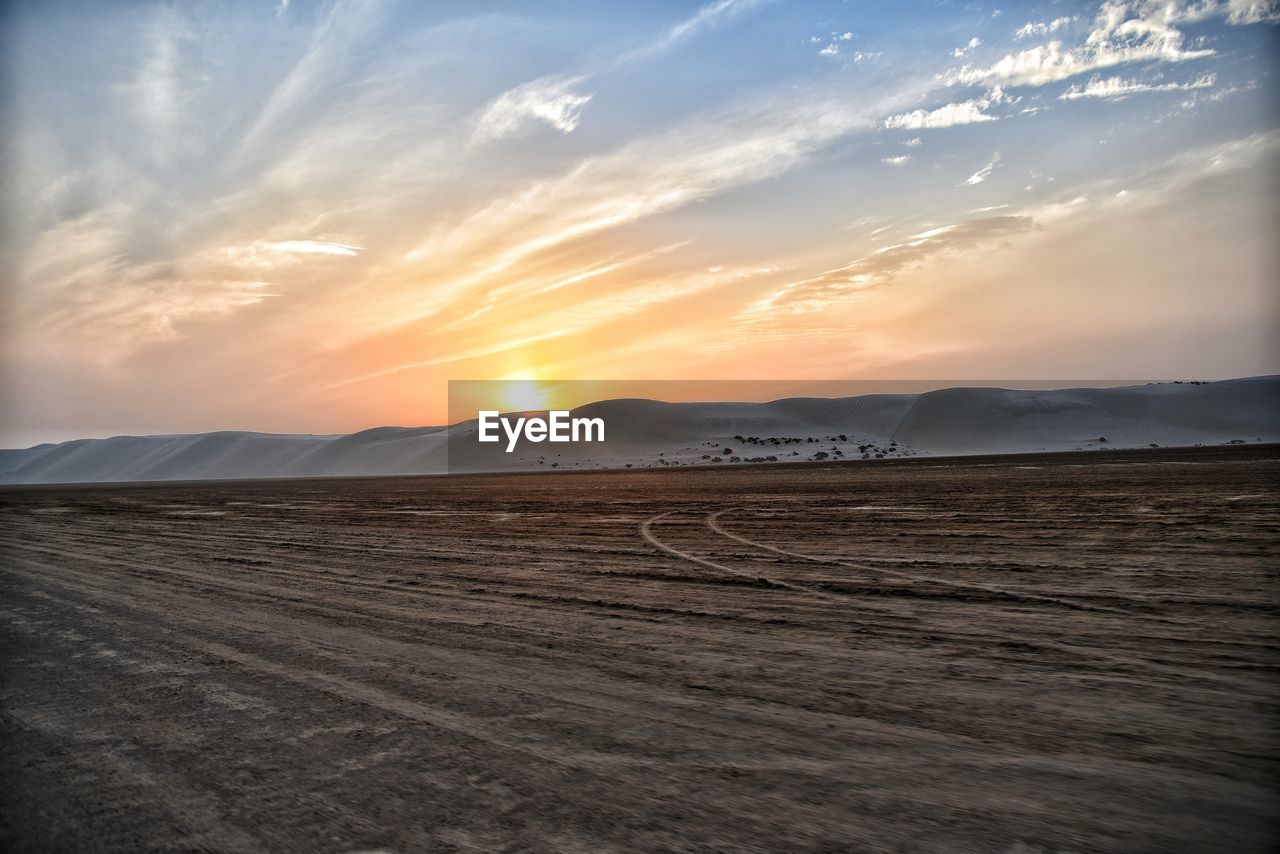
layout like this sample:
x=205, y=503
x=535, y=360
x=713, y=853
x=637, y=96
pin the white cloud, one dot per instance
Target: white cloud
x=758, y=139
x=548, y=100
x=881, y=267
x=1039, y=28
x=265, y=254
x=584, y=315
x=983, y=173
x=708, y=16
x=1116, y=87
x=1124, y=32
x=1051, y=62
x=961, y=51
x=1252, y=11
x=900, y=160
x=821, y=292
x=93, y=291
x=314, y=247
x=1218, y=94
x=833, y=47
x=967, y=112
x=344, y=24
x=915, y=140
x=551, y=100
x=157, y=84
x=997, y=95
x=1237, y=12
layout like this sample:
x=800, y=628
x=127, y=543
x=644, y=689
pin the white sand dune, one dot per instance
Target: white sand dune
x=988, y=420
x=647, y=432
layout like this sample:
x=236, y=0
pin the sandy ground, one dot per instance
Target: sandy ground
x=1038, y=653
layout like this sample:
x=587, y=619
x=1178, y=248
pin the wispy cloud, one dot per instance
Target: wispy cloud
x=1123, y=33
x=551, y=100
x=265, y=255
x=972, y=44
x=578, y=318
x=818, y=293
x=985, y=172
x=1115, y=88
x=833, y=45
x=899, y=160
x=1236, y=12
x=344, y=24
x=815, y=293
x=145, y=302
x=1252, y=11
x=548, y=100
x=749, y=143
x=157, y=85
x=709, y=16
x=1032, y=29
x=963, y=113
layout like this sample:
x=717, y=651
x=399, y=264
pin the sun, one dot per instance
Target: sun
x=523, y=392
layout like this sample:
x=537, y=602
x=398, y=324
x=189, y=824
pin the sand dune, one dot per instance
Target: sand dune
x=980, y=420
x=648, y=432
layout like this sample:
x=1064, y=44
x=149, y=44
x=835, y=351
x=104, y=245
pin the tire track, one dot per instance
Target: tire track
x=293, y=667
x=646, y=532
x=384, y=630
x=171, y=621
x=337, y=685
x=713, y=523
x=1143, y=663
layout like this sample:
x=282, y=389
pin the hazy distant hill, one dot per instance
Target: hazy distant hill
x=949, y=421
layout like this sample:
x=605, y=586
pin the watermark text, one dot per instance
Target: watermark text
x=558, y=426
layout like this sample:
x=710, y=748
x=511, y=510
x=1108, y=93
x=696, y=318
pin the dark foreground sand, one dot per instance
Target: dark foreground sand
x=1066, y=653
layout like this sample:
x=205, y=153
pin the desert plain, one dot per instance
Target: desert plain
x=1033, y=653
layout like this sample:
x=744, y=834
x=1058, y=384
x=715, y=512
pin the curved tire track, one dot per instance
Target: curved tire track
x=1073, y=649
x=646, y=532
x=712, y=522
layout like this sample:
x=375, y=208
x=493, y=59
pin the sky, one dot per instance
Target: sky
x=309, y=217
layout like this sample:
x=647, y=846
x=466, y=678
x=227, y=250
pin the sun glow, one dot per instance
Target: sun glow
x=522, y=392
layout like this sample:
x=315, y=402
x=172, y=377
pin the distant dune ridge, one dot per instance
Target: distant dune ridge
x=646, y=432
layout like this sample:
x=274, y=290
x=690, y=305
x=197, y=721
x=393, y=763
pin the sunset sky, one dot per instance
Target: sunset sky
x=308, y=217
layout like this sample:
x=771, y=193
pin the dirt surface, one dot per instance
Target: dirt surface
x=1038, y=653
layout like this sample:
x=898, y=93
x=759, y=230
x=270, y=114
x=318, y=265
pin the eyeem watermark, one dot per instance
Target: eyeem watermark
x=558, y=426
